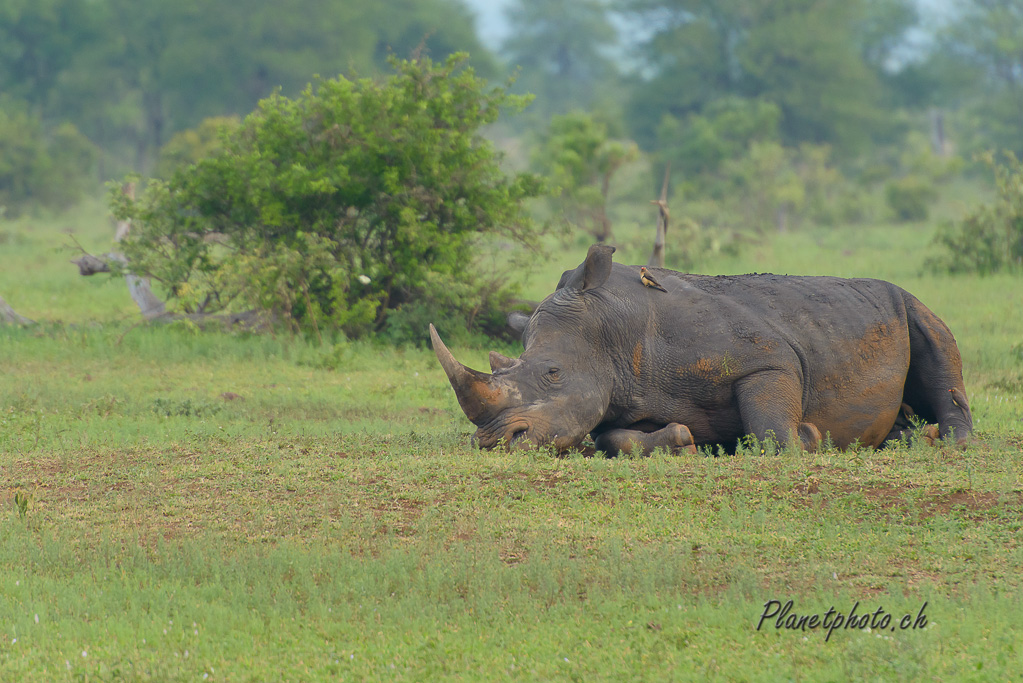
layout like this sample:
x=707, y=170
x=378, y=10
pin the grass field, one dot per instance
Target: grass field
x=185, y=506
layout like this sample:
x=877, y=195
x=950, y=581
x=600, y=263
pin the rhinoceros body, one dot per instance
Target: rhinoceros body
x=717, y=358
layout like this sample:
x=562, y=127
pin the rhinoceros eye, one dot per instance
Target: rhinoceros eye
x=553, y=374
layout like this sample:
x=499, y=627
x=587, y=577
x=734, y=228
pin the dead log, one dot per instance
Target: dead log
x=154, y=309
x=11, y=317
x=90, y=265
x=149, y=304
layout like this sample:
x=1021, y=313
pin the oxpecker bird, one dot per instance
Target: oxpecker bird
x=648, y=280
x=958, y=399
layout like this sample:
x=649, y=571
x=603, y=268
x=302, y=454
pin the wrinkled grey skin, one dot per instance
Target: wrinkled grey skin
x=714, y=359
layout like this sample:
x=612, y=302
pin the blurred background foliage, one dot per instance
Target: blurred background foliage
x=770, y=115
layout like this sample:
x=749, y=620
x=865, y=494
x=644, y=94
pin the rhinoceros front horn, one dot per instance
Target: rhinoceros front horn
x=475, y=390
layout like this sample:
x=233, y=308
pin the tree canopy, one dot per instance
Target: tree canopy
x=818, y=62
x=131, y=74
x=984, y=48
x=564, y=49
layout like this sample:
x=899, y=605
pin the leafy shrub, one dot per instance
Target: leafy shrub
x=991, y=238
x=701, y=143
x=772, y=186
x=693, y=242
x=340, y=208
x=193, y=145
x=909, y=198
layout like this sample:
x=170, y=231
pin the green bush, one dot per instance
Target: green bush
x=991, y=238
x=909, y=198
x=775, y=187
x=39, y=167
x=702, y=143
x=193, y=145
x=358, y=201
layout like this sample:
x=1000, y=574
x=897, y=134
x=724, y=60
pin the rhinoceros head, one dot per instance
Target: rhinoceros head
x=559, y=389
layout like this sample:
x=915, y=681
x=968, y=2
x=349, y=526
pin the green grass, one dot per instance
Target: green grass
x=183, y=506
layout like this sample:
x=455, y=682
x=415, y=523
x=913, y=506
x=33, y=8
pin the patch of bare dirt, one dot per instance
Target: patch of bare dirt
x=973, y=501
x=929, y=503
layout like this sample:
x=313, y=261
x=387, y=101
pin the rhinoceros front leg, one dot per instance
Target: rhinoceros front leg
x=674, y=438
x=904, y=428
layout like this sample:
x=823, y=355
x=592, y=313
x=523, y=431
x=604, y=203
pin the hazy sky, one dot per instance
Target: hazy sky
x=490, y=21
x=493, y=27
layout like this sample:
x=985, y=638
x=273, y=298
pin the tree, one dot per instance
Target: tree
x=724, y=130
x=803, y=57
x=818, y=61
x=357, y=205
x=582, y=159
x=987, y=36
x=195, y=144
x=162, y=67
x=435, y=28
x=40, y=166
x=39, y=41
x=131, y=74
x=563, y=49
x=881, y=30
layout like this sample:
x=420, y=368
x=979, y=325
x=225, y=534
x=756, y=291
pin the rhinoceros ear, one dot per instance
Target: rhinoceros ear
x=517, y=321
x=593, y=272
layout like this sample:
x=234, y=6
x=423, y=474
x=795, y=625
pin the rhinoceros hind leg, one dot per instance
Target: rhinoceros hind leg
x=675, y=438
x=934, y=381
x=809, y=436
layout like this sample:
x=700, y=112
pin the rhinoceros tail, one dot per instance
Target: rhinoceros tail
x=934, y=383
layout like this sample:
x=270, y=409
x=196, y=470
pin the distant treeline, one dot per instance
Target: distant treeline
x=128, y=74
x=697, y=83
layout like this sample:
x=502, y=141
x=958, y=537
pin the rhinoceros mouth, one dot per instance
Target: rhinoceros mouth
x=513, y=435
x=522, y=436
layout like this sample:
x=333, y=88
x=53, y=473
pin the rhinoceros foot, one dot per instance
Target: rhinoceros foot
x=809, y=436
x=931, y=435
x=906, y=429
x=674, y=438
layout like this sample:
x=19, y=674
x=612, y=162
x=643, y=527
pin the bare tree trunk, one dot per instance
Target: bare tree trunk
x=9, y=316
x=938, y=145
x=657, y=257
x=138, y=287
x=124, y=227
x=153, y=309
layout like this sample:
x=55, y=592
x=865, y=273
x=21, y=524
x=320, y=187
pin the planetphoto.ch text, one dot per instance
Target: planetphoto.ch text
x=781, y=616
